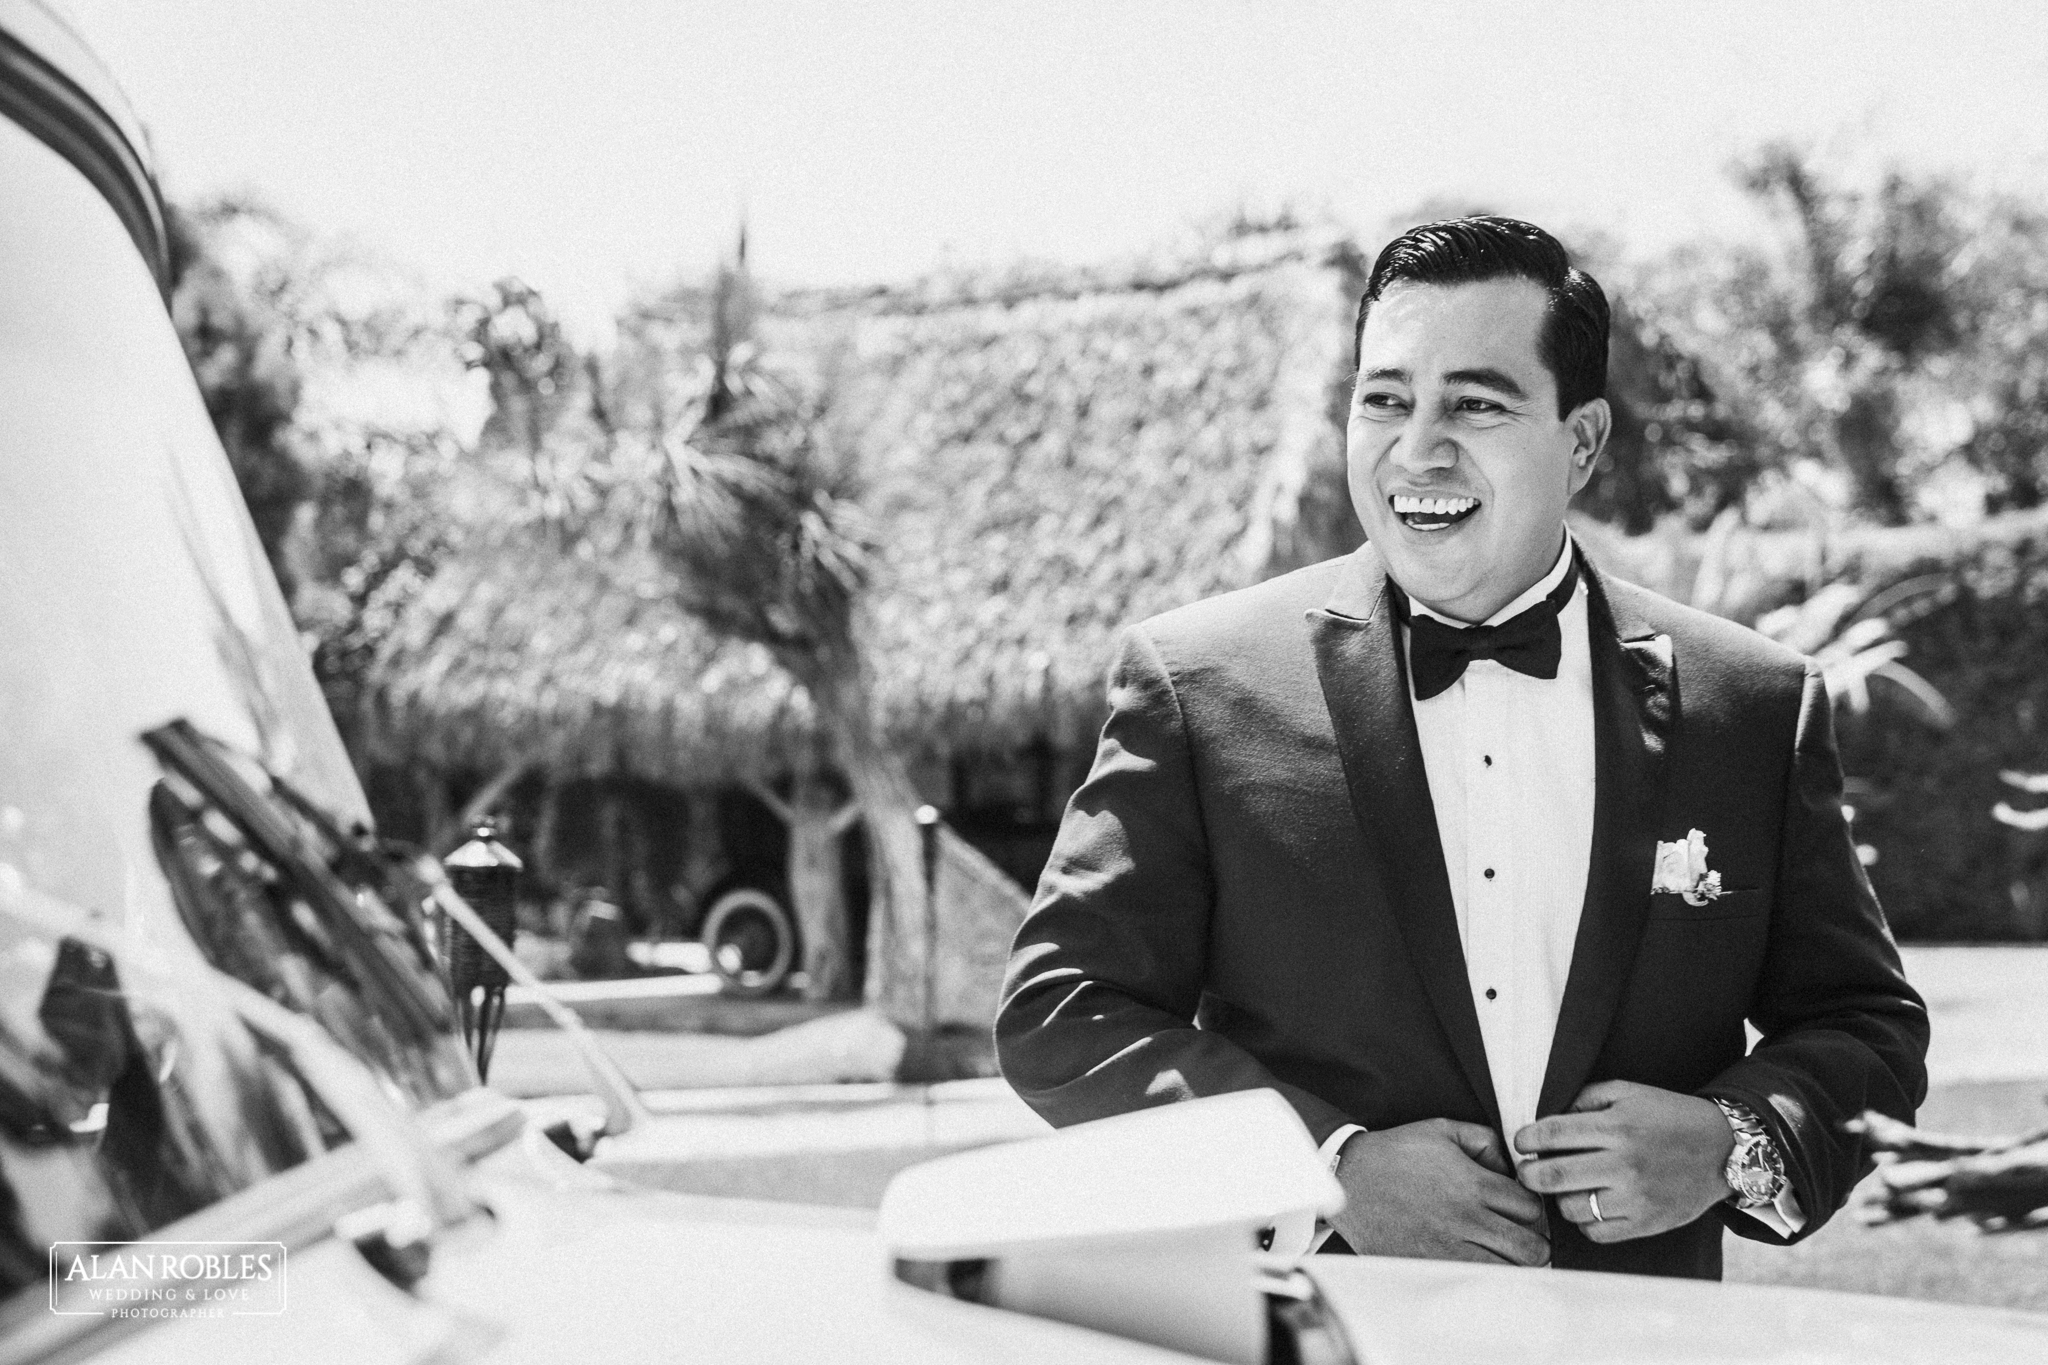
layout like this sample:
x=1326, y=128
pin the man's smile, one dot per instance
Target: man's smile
x=1432, y=514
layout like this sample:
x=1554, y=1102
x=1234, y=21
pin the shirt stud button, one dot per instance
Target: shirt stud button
x=1487, y=759
x=1489, y=874
x=1491, y=993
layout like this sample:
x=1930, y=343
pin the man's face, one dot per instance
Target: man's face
x=1460, y=467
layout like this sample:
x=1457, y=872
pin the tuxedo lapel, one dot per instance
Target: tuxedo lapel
x=1634, y=702
x=1358, y=660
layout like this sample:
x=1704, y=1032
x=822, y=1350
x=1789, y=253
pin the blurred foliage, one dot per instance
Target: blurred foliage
x=1848, y=632
x=546, y=426
x=1947, y=870
x=1676, y=446
x=2033, y=784
x=2000, y=1184
x=1887, y=355
x=1922, y=743
x=333, y=381
x=761, y=526
x=682, y=441
x=682, y=451
x=233, y=324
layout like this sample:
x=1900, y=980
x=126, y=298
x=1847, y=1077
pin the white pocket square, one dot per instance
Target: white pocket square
x=1682, y=869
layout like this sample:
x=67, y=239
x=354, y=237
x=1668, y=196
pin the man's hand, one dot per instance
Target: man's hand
x=1654, y=1157
x=1437, y=1189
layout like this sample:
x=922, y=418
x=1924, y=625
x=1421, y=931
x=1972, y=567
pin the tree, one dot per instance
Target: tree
x=1890, y=342
x=721, y=467
x=692, y=451
x=227, y=310
x=334, y=384
x=1676, y=446
x=759, y=524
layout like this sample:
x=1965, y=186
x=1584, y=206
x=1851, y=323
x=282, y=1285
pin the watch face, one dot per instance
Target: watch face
x=1753, y=1184
x=1752, y=1173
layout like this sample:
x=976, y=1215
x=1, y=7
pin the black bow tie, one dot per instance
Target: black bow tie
x=1528, y=642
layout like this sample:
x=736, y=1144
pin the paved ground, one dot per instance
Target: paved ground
x=763, y=1121
x=669, y=1003
x=847, y=1046
x=1990, y=1011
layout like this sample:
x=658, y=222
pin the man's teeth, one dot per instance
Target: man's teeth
x=1440, y=507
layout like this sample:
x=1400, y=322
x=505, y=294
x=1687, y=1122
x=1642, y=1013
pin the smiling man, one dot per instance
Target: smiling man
x=1479, y=857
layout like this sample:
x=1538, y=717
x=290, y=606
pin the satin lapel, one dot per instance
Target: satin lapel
x=1358, y=658
x=1634, y=702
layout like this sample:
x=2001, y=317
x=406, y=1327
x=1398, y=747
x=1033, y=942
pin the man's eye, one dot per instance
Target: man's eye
x=1479, y=405
x=1379, y=401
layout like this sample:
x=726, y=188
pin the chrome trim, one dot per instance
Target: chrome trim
x=298, y=1207
x=53, y=86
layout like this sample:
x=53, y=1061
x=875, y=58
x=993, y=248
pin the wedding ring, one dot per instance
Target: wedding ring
x=1593, y=1196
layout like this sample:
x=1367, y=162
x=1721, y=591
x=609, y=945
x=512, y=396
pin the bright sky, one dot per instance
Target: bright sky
x=597, y=146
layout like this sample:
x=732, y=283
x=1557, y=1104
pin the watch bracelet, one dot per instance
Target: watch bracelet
x=1750, y=1134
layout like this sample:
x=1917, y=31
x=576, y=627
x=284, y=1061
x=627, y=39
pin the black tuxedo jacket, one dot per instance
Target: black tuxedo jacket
x=1249, y=891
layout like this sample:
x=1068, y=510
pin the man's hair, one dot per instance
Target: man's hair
x=1573, y=341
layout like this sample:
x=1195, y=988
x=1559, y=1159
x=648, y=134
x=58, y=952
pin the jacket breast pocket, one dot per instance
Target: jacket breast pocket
x=1742, y=904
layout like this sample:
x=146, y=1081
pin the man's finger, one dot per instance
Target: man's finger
x=1510, y=1200
x=1511, y=1242
x=1579, y=1171
x=1600, y=1095
x=1577, y=1207
x=1562, y=1133
x=1483, y=1146
x=1607, y=1230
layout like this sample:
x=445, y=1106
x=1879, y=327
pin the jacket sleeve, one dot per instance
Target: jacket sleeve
x=1842, y=1030
x=1099, y=1002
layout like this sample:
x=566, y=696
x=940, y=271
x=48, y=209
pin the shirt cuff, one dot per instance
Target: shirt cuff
x=1299, y=1234
x=1334, y=1143
x=1783, y=1216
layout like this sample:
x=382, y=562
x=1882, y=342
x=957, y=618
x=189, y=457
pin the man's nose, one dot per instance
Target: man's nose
x=1424, y=445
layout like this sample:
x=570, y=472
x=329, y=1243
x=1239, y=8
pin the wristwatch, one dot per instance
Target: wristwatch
x=1755, y=1170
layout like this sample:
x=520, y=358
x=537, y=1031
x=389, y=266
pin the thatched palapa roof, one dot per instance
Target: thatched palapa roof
x=509, y=655
x=1048, y=456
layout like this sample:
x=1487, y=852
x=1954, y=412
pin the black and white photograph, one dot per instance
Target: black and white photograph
x=1307, y=682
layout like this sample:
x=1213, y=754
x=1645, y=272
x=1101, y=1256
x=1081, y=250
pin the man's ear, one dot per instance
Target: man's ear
x=1592, y=422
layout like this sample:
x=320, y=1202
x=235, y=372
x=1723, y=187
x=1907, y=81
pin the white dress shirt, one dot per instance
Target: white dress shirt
x=1509, y=760
x=1510, y=765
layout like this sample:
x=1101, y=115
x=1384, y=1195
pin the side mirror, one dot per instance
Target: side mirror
x=1145, y=1225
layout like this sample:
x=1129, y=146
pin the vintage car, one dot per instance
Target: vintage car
x=225, y=1029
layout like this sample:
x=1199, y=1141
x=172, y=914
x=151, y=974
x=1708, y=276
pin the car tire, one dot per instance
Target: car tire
x=752, y=941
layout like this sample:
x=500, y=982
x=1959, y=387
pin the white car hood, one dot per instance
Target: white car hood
x=575, y=1267
x=627, y=1275
x=1424, y=1312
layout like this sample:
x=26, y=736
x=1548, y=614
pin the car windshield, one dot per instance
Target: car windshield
x=131, y=1094
x=133, y=589
x=278, y=896
x=134, y=594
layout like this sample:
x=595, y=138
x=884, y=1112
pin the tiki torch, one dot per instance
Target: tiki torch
x=486, y=874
